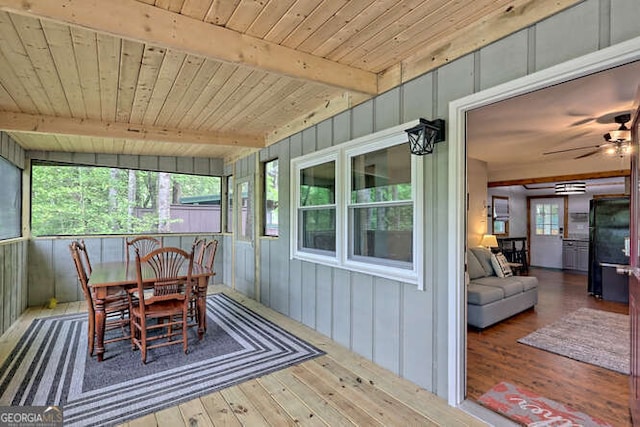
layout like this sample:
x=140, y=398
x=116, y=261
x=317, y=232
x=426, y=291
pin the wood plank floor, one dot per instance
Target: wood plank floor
x=339, y=388
x=494, y=355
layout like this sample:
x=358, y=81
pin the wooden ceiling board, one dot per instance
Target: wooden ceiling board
x=167, y=73
x=196, y=9
x=20, y=62
x=269, y=17
x=85, y=57
x=206, y=96
x=152, y=59
x=423, y=32
x=220, y=11
x=169, y=69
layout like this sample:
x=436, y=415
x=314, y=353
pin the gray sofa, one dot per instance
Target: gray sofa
x=490, y=298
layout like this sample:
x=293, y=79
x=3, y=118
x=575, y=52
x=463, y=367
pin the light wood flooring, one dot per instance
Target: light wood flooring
x=339, y=388
x=494, y=355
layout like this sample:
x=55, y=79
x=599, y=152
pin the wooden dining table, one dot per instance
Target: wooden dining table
x=123, y=274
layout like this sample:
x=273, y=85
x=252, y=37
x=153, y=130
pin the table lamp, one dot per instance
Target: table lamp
x=489, y=241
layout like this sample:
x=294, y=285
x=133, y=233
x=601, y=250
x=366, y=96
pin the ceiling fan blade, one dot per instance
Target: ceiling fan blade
x=572, y=149
x=591, y=153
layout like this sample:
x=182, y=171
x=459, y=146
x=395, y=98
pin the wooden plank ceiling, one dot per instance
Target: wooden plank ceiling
x=220, y=78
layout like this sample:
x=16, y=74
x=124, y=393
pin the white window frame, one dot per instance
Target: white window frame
x=342, y=155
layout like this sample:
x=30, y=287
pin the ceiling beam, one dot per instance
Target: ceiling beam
x=141, y=22
x=560, y=178
x=18, y=122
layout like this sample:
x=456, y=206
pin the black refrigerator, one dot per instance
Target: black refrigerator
x=608, y=228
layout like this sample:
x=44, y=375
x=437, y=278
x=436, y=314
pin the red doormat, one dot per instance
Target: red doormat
x=530, y=409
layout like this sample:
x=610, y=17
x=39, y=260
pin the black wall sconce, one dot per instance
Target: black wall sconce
x=423, y=136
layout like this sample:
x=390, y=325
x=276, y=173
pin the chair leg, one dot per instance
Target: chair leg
x=143, y=333
x=185, y=345
x=91, y=335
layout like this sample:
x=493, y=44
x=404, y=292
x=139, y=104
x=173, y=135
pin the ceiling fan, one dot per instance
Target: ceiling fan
x=617, y=142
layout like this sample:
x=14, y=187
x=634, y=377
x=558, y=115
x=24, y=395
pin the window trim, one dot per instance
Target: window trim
x=342, y=155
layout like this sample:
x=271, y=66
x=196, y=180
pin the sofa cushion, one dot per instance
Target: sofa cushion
x=528, y=282
x=510, y=286
x=484, y=256
x=474, y=267
x=501, y=265
x=481, y=295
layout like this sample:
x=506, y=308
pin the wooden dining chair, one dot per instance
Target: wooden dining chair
x=206, y=257
x=116, y=305
x=198, y=250
x=143, y=244
x=168, y=303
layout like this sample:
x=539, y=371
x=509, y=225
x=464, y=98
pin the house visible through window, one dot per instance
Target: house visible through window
x=82, y=200
x=10, y=200
x=245, y=212
x=271, y=198
x=547, y=219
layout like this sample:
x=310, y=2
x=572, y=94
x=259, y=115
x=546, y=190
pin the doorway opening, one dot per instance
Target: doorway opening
x=575, y=69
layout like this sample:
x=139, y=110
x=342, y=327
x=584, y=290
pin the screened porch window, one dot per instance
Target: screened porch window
x=317, y=208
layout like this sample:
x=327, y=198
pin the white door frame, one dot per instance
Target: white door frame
x=618, y=54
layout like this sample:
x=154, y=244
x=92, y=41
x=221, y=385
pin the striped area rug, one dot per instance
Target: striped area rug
x=50, y=365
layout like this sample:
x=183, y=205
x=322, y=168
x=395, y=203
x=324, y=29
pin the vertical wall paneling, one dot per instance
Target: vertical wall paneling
x=84, y=158
x=624, y=20
x=417, y=98
x=128, y=161
x=167, y=164
x=418, y=343
x=227, y=250
x=309, y=297
x=41, y=277
x=64, y=274
x=362, y=119
x=265, y=271
x=387, y=335
x=567, y=35
x=342, y=127
x=387, y=110
x=324, y=299
x=504, y=60
x=295, y=290
x=309, y=140
x=362, y=314
x=341, y=309
x=325, y=134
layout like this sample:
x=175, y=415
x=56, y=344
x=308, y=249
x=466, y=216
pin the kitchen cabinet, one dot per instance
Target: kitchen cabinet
x=575, y=255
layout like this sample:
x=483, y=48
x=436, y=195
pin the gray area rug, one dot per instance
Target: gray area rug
x=50, y=365
x=592, y=336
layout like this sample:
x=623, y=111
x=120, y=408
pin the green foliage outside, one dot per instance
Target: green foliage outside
x=80, y=200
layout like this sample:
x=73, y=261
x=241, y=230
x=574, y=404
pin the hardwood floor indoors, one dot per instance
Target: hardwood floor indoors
x=339, y=388
x=493, y=355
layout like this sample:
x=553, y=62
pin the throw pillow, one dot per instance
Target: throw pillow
x=474, y=268
x=501, y=265
x=484, y=257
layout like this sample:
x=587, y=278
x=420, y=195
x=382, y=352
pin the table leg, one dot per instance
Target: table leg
x=202, y=305
x=99, y=325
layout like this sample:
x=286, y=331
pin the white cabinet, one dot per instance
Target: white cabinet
x=575, y=255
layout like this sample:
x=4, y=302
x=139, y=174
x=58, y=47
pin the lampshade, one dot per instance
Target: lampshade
x=489, y=241
x=566, y=188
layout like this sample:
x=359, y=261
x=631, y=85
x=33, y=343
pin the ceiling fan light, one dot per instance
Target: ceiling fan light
x=567, y=188
x=621, y=134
